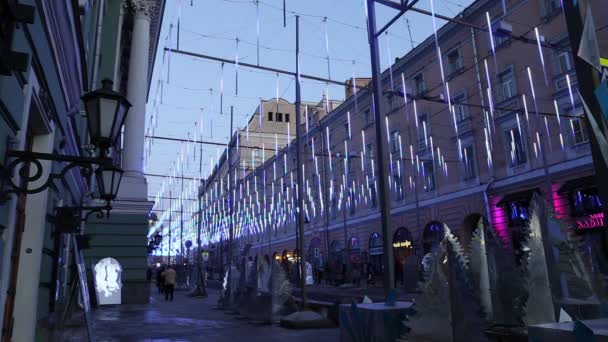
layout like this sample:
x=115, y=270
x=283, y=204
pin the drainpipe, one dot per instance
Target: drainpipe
x=478, y=73
x=119, y=47
x=97, y=57
x=326, y=200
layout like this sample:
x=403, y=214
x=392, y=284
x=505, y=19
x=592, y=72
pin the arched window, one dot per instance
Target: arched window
x=403, y=244
x=432, y=236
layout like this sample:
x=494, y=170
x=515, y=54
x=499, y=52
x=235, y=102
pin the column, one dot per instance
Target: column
x=32, y=244
x=127, y=227
x=137, y=88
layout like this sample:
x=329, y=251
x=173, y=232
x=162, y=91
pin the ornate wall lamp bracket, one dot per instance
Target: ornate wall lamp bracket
x=67, y=220
x=29, y=167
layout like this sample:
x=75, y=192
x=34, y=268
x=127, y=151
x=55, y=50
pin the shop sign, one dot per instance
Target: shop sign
x=376, y=250
x=590, y=221
x=402, y=244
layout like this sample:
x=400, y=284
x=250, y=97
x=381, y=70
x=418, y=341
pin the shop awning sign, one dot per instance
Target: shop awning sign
x=590, y=221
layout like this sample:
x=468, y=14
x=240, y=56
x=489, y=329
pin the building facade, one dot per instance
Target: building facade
x=53, y=52
x=474, y=140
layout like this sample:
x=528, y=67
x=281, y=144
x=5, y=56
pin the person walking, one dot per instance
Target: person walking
x=160, y=280
x=170, y=283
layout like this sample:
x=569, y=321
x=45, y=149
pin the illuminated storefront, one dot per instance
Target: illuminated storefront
x=376, y=250
x=517, y=208
x=316, y=258
x=432, y=236
x=586, y=219
x=403, y=247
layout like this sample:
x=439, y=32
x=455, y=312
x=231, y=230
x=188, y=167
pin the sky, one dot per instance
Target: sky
x=211, y=27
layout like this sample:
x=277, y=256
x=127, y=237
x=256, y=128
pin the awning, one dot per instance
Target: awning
x=525, y=195
x=577, y=184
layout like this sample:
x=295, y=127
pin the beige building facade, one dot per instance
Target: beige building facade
x=479, y=155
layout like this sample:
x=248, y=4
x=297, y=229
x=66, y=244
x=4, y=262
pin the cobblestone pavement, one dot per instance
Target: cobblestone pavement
x=191, y=319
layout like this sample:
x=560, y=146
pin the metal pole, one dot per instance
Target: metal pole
x=181, y=224
x=326, y=199
x=200, y=279
x=300, y=193
x=230, y=218
x=344, y=226
x=588, y=80
x=385, y=210
x=170, y=222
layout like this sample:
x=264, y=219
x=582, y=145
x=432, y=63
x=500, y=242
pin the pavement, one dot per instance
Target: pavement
x=191, y=319
x=342, y=294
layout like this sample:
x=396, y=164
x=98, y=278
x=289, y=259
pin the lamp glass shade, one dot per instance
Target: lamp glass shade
x=106, y=112
x=108, y=181
x=158, y=239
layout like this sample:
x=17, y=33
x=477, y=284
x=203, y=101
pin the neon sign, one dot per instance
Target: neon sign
x=590, y=221
x=406, y=244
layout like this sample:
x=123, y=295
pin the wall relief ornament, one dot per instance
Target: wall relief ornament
x=140, y=7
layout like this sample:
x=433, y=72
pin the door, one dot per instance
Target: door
x=7, y=322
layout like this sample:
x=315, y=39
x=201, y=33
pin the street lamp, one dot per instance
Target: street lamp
x=106, y=112
x=108, y=180
x=157, y=239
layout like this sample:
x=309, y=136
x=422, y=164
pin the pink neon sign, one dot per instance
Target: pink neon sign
x=590, y=221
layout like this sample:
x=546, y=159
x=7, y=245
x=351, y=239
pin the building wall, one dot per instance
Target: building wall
x=122, y=237
x=458, y=198
x=44, y=100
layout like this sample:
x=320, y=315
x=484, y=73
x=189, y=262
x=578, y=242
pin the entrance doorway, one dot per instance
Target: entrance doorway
x=403, y=248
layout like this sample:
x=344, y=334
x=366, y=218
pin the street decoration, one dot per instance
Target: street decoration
x=256, y=209
x=108, y=281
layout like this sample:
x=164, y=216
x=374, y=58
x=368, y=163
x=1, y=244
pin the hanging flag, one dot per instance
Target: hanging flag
x=588, y=49
x=601, y=93
x=604, y=64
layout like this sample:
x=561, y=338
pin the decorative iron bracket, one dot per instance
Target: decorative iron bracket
x=68, y=219
x=20, y=160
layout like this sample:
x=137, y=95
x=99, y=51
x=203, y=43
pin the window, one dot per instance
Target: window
x=518, y=213
x=428, y=175
x=374, y=199
x=346, y=130
x=585, y=202
x=369, y=149
x=506, y=84
x=397, y=183
x=353, y=203
x=468, y=157
x=563, y=62
x=279, y=117
x=454, y=61
x=368, y=115
x=349, y=166
x=392, y=104
x=395, y=141
x=507, y=87
x=579, y=129
x=552, y=6
x=461, y=109
x=419, y=86
x=423, y=127
x=286, y=117
x=515, y=147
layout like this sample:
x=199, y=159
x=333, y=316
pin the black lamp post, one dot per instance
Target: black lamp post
x=157, y=239
x=106, y=112
x=108, y=179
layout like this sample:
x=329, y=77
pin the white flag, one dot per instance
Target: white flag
x=588, y=50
